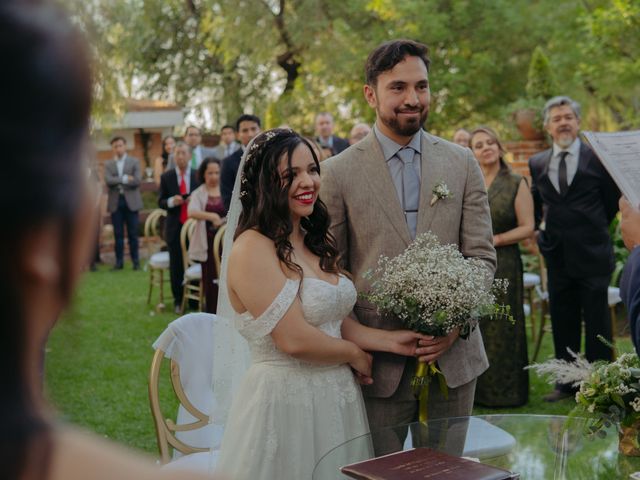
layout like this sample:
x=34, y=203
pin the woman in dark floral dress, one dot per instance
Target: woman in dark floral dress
x=505, y=383
x=206, y=205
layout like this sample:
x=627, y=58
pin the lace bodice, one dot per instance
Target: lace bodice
x=324, y=305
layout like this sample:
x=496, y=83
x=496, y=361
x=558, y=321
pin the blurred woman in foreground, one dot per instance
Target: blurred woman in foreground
x=48, y=212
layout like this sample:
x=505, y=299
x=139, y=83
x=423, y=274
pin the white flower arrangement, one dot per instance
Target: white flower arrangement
x=609, y=392
x=440, y=192
x=433, y=289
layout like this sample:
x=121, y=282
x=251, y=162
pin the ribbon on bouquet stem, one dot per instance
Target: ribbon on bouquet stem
x=420, y=383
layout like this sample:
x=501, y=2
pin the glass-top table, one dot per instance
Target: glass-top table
x=535, y=446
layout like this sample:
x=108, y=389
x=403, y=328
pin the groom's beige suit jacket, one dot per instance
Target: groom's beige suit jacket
x=368, y=221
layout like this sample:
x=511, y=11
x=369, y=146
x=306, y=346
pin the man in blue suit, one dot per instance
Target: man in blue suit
x=630, y=283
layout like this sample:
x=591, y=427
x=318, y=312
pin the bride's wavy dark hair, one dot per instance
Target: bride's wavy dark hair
x=265, y=201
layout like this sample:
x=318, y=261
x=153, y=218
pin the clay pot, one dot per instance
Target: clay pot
x=525, y=121
x=629, y=437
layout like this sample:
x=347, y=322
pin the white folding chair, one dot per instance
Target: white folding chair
x=188, y=343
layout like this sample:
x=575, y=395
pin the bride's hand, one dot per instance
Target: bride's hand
x=362, y=379
x=404, y=342
x=361, y=362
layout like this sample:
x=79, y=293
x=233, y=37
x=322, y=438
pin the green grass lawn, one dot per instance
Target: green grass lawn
x=98, y=360
x=99, y=354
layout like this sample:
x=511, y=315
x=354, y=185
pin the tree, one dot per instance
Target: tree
x=285, y=60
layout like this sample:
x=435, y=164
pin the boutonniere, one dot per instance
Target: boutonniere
x=440, y=192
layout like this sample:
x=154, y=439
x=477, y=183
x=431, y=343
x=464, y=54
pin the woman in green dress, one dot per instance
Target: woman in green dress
x=505, y=383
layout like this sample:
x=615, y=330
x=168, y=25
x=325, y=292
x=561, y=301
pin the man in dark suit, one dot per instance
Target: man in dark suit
x=325, y=136
x=630, y=282
x=575, y=200
x=175, y=187
x=122, y=176
x=248, y=127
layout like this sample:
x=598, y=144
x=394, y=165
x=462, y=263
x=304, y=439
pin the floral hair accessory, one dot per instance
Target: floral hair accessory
x=440, y=192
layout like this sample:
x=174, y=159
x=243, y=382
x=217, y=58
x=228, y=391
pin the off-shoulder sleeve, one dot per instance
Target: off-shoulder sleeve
x=265, y=323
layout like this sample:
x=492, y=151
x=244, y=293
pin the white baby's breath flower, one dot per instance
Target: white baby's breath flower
x=431, y=287
x=440, y=191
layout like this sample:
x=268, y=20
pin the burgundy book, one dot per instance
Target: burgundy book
x=424, y=463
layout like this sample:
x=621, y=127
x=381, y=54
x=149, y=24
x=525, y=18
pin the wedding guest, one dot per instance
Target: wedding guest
x=175, y=188
x=358, y=132
x=52, y=223
x=228, y=144
x=161, y=162
x=461, y=136
x=630, y=282
x=94, y=176
x=575, y=201
x=248, y=126
x=123, y=177
x=505, y=383
x=206, y=206
x=325, y=136
x=193, y=138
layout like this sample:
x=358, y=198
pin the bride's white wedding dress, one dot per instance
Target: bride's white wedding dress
x=288, y=413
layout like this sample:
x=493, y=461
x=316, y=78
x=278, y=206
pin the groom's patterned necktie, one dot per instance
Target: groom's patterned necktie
x=410, y=188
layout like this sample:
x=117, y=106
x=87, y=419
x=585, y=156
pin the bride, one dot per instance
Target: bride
x=299, y=398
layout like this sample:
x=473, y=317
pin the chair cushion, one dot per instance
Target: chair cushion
x=530, y=279
x=195, y=462
x=159, y=260
x=485, y=440
x=614, y=296
x=194, y=272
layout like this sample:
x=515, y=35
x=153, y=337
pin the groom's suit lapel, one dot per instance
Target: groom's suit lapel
x=432, y=171
x=371, y=163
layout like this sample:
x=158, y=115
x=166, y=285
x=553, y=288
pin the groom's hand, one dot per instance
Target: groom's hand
x=431, y=348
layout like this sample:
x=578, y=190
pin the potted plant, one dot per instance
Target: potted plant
x=608, y=395
x=527, y=111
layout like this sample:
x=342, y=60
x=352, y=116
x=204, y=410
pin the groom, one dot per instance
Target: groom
x=379, y=195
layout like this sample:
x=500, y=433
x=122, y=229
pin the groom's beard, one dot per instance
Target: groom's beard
x=408, y=126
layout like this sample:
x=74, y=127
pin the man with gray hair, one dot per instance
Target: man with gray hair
x=575, y=200
x=358, y=132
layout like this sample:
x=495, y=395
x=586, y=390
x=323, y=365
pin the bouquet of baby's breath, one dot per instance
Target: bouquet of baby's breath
x=433, y=289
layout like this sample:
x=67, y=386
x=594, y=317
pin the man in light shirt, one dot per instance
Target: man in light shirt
x=228, y=144
x=575, y=201
x=122, y=176
x=193, y=138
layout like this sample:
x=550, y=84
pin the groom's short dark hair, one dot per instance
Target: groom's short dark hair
x=389, y=54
